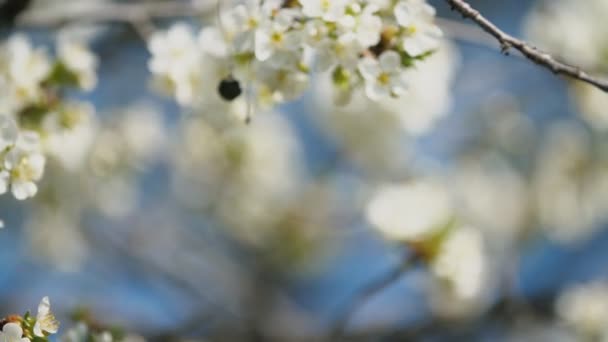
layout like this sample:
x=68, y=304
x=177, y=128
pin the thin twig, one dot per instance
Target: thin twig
x=508, y=42
x=367, y=292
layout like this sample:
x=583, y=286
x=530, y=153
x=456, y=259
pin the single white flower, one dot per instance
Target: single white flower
x=45, y=320
x=383, y=76
x=410, y=211
x=421, y=34
x=275, y=39
x=12, y=332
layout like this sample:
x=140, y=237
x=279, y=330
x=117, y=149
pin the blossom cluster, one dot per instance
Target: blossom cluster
x=271, y=48
x=27, y=328
x=33, y=110
x=422, y=215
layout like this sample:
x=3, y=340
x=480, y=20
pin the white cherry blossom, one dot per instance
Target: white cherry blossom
x=45, y=320
x=421, y=34
x=384, y=76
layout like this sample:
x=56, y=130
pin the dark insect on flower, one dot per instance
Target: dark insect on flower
x=229, y=88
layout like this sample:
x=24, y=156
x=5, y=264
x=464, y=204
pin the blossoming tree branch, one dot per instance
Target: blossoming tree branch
x=376, y=69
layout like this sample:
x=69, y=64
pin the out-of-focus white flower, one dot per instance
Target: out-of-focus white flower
x=27, y=68
x=416, y=18
x=78, y=333
x=384, y=77
x=410, y=211
x=45, y=320
x=12, y=332
x=574, y=32
x=463, y=279
x=70, y=131
x=143, y=129
x=56, y=238
x=593, y=105
x=8, y=132
x=584, y=307
x=328, y=10
x=79, y=60
x=461, y=262
x=571, y=187
x=483, y=184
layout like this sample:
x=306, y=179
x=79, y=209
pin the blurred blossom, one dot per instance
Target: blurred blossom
x=77, y=58
x=35, y=114
x=12, y=332
x=463, y=274
x=576, y=33
x=74, y=126
x=594, y=106
x=56, y=237
x=571, y=184
x=484, y=184
x=144, y=132
x=411, y=211
x=247, y=173
x=584, y=308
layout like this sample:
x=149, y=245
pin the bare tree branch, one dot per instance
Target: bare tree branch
x=539, y=57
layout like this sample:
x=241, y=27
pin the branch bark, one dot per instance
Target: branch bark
x=508, y=42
